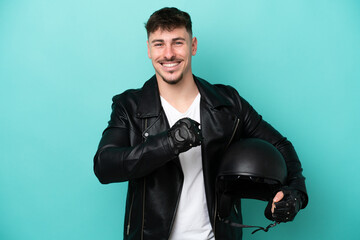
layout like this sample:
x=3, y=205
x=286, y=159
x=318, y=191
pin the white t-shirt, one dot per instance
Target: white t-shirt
x=192, y=218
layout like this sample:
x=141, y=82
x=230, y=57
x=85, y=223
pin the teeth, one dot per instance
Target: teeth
x=170, y=64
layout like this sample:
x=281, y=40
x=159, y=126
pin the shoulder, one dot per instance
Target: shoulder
x=126, y=96
x=224, y=94
x=134, y=95
x=219, y=88
x=226, y=89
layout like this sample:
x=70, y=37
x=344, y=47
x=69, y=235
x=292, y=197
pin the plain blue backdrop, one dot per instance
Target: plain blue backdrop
x=297, y=62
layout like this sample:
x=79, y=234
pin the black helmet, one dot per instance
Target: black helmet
x=251, y=168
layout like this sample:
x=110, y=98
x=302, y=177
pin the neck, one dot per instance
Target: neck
x=179, y=95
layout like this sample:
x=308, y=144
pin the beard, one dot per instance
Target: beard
x=171, y=81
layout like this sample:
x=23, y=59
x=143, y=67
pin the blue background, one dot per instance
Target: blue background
x=296, y=62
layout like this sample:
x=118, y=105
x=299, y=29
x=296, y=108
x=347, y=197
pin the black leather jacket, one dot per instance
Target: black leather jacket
x=134, y=147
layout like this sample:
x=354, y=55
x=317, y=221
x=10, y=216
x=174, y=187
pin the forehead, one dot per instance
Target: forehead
x=163, y=34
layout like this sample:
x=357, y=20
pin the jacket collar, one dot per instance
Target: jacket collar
x=150, y=104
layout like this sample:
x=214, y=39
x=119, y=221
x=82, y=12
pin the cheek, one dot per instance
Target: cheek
x=155, y=54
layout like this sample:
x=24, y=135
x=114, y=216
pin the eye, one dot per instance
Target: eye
x=178, y=43
x=158, y=44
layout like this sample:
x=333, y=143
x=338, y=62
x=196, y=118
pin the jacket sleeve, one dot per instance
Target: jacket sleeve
x=116, y=160
x=255, y=127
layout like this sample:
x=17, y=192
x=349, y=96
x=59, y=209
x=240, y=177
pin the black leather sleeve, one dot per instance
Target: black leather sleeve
x=254, y=126
x=117, y=161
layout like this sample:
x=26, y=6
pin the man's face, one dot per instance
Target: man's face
x=170, y=53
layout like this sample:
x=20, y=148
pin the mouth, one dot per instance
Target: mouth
x=170, y=66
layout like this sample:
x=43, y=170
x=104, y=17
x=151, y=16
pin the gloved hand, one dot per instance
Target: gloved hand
x=184, y=134
x=285, y=209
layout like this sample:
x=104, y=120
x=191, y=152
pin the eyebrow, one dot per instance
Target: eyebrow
x=174, y=39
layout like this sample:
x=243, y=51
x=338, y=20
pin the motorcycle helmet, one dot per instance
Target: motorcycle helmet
x=250, y=168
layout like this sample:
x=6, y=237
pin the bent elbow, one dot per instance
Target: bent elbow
x=106, y=169
x=101, y=176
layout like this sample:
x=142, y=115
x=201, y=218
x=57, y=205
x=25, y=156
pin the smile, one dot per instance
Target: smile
x=170, y=64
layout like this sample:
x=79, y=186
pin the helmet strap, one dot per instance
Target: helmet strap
x=266, y=229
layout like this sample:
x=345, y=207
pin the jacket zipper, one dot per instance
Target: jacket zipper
x=215, y=215
x=232, y=137
x=233, y=134
x=131, y=206
x=143, y=213
x=132, y=202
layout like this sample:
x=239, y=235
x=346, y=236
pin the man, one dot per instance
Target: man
x=155, y=142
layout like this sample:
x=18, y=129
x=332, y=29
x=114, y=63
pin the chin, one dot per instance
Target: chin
x=172, y=80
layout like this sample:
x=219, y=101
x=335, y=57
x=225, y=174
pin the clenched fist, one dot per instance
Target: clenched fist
x=185, y=134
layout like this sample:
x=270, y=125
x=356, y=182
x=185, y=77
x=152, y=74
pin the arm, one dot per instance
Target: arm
x=254, y=126
x=116, y=160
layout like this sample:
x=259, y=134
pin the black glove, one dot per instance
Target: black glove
x=287, y=208
x=184, y=135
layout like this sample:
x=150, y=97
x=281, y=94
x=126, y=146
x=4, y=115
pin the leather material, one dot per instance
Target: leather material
x=135, y=148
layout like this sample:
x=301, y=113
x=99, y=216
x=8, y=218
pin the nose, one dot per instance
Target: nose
x=169, y=53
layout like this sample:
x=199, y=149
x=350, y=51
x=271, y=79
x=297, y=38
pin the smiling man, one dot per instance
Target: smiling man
x=170, y=52
x=167, y=138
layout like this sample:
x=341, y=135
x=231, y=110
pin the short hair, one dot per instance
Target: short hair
x=168, y=19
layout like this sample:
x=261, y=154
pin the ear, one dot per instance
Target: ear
x=194, y=46
x=148, y=49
